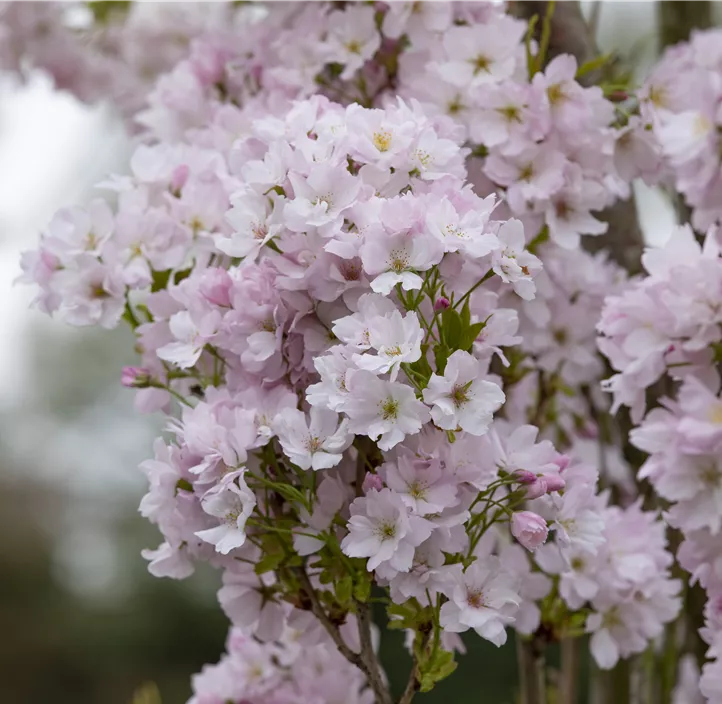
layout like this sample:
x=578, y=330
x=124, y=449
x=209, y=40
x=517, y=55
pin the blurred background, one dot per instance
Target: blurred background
x=82, y=620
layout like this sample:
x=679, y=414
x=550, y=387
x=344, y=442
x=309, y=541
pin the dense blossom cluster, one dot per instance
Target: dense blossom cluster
x=680, y=107
x=288, y=671
x=349, y=248
x=548, y=143
x=320, y=282
x=666, y=329
x=108, y=50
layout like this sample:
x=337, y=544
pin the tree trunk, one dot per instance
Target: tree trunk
x=677, y=18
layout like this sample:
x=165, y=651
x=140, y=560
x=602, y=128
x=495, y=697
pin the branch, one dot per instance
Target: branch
x=367, y=664
x=412, y=686
x=368, y=656
x=320, y=613
x=676, y=19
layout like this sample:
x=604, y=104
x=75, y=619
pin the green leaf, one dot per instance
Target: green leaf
x=362, y=590
x=268, y=563
x=402, y=616
x=452, y=327
x=465, y=315
x=421, y=366
x=273, y=553
x=593, y=64
x=435, y=669
x=344, y=590
x=470, y=335
x=441, y=354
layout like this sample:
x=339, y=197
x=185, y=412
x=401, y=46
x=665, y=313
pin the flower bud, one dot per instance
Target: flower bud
x=524, y=476
x=535, y=486
x=135, y=377
x=529, y=528
x=372, y=481
x=554, y=482
x=442, y=303
x=537, y=489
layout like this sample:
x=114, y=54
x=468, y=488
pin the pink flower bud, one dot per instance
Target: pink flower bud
x=554, y=482
x=537, y=489
x=529, y=529
x=524, y=476
x=535, y=486
x=179, y=177
x=215, y=287
x=441, y=303
x=135, y=377
x=372, y=481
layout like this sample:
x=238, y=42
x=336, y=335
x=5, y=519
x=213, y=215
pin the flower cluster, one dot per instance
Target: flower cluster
x=666, y=327
x=289, y=670
x=348, y=247
x=112, y=51
x=679, y=106
x=626, y=582
x=320, y=298
x=547, y=142
x=667, y=323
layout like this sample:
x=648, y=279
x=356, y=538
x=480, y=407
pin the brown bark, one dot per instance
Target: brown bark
x=677, y=18
x=570, y=31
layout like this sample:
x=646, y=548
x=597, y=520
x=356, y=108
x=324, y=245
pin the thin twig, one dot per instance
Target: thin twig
x=320, y=613
x=369, y=667
x=412, y=686
x=368, y=656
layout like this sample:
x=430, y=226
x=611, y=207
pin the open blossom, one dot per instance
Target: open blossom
x=459, y=399
x=386, y=411
x=484, y=598
x=512, y=262
x=191, y=337
x=466, y=231
x=318, y=444
x=422, y=484
x=396, y=339
x=382, y=529
x=396, y=259
x=353, y=38
x=253, y=225
x=232, y=502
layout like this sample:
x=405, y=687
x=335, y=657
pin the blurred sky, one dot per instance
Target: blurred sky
x=52, y=151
